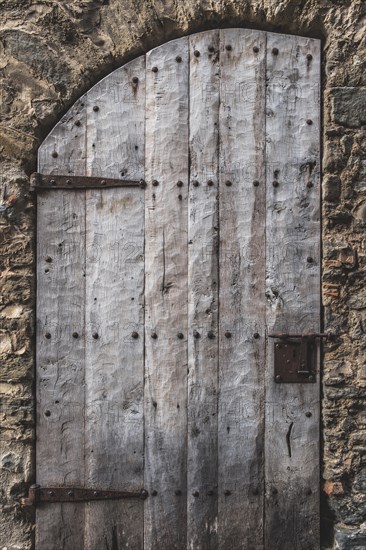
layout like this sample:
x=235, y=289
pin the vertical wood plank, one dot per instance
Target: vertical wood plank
x=203, y=292
x=60, y=362
x=114, y=308
x=166, y=225
x=292, y=287
x=242, y=336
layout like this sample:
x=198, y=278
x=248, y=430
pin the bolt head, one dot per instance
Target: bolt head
x=95, y=335
x=95, y=493
x=103, y=182
x=154, y=69
x=275, y=183
x=69, y=182
x=70, y=493
x=77, y=123
x=51, y=493
x=210, y=335
x=278, y=378
x=275, y=51
x=211, y=49
x=195, y=494
x=196, y=334
x=309, y=122
x=75, y=335
x=210, y=183
x=255, y=49
x=154, y=335
x=256, y=335
x=96, y=108
x=178, y=59
x=309, y=57
x=310, y=259
x=228, y=334
x=196, y=53
x=196, y=183
x=48, y=335
x=228, y=48
x=309, y=184
x=135, y=335
x=308, y=414
x=54, y=154
x=47, y=413
x=179, y=183
x=228, y=183
x=135, y=80
x=256, y=183
x=311, y=378
x=227, y=492
x=180, y=335
x=155, y=183
x=48, y=259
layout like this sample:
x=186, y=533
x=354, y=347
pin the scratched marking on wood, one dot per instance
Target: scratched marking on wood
x=241, y=355
x=166, y=224
x=292, y=498
x=203, y=292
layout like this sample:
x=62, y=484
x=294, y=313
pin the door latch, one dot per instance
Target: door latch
x=295, y=356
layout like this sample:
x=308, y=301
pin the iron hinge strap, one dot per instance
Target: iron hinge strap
x=38, y=494
x=51, y=181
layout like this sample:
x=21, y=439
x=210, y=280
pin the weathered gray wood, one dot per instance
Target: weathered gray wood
x=115, y=360
x=166, y=295
x=292, y=287
x=114, y=429
x=203, y=292
x=242, y=229
x=64, y=150
x=60, y=361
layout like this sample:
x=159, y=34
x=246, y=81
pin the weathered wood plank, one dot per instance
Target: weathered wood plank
x=60, y=362
x=114, y=308
x=292, y=287
x=115, y=359
x=166, y=225
x=203, y=292
x=64, y=150
x=241, y=340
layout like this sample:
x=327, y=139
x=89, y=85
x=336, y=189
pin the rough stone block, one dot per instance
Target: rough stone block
x=349, y=106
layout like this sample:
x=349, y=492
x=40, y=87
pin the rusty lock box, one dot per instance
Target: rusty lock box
x=295, y=360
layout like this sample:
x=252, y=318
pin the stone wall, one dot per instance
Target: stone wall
x=50, y=53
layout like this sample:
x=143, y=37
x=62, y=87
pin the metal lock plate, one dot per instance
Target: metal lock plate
x=294, y=361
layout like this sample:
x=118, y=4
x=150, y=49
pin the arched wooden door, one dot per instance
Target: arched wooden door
x=158, y=365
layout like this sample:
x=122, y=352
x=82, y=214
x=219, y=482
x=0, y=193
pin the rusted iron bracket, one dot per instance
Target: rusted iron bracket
x=50, y=181
x=309, y=335
x=38, y=494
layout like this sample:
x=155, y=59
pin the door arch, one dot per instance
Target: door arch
x=155, y=370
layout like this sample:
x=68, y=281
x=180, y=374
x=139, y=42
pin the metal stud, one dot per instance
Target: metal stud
x=135, y=80
x=49, y=259
x=228, y=334
x=275, y=51
x=308, y=414
x=75, y=335
x=154, y=335
x=142, y=184
x=47, y=413
x=309, y=184
x=255, y=49
x=310, y=260
x=228, y=183
x=154, y=69
x=77, y=122
x=227, y=492
x=211, y=335
x=275, y=183
x=51, y=493
x=54, y=154
x=69, y=182
x=47, y=335
x=278, y=378
x=180, y=335
x=256, y=335
x=256, y=183
x=95, y=335
x=180, y=197
x=96, y=108
x=179, y=183
x=309, y=57
x=196, y=53
x=311, y=378
x=155, y=183
x=135, y=335
x=309, y=122
x=228, y=48
x=211, y=49
x=103, y=182
x=210, y=183
x=53, y=182
x=178, y=59
x=196, y=334
x=70, y=493
x=95, y=493
x=195, y=494
x=196, y=183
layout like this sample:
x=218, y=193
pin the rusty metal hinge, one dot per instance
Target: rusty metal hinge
x=51, y=181
x=38, y=494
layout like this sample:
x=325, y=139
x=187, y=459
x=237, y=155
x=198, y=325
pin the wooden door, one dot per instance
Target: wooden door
x=156, y=306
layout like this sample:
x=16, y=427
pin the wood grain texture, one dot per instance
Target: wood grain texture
x=203, y=292
x=166, y=223
x=292, y=287
x=242, y=229
x=115, y=363
x=114, y=308
x=60, y=361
